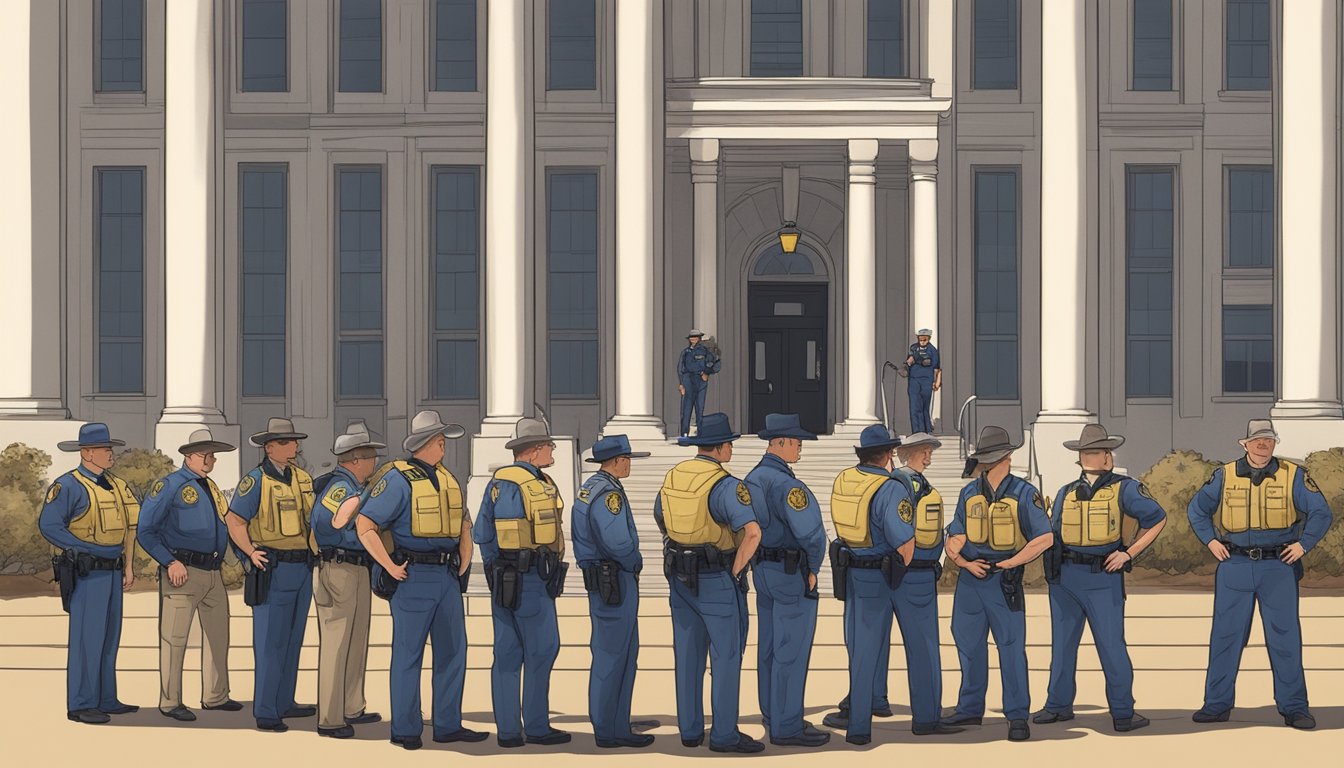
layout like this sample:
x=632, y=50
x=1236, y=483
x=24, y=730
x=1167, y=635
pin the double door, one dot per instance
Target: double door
x=787, y=373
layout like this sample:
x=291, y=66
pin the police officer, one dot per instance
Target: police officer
x=606, y=547
x=419, y=503
x=793, y=546
x=711, y=535
x=268, y=523
x=1270, y=513
x=694, y=367
x=182, y=528
x=523, y=546
x=90, y=516
x=1086, y=570
x=1000, y=525
x=341, y=589
x=926, y=377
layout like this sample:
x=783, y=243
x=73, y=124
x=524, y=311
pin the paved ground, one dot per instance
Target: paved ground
x=1166, y=632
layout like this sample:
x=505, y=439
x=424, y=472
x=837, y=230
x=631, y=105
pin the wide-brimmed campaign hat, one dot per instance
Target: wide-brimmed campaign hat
x=201, y=441
x=993, y=445
x=1258, y=428
x=95, y=434
x=276, y=429
x=784, y=425
x=920, y=438
x=1094, y=437
x=356, y=436
x=714, y=429
x=877, y=436
x=427, y=424
x=924, y=332
x=695, y=334
x=614, y=446
x=529, y=431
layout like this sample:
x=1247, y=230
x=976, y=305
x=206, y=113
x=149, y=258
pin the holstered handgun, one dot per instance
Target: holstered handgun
x=839, y=570
x=65, y=575
x=893, y=570
x=1053, y=561
x=256, y=582
x=791, y=559
x=688, y=569
x=609, y=583
x=383, y=584
x=1011, y=584
x=508, y=586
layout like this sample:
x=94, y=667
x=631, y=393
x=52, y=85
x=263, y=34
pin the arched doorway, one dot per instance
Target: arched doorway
x=787, y=311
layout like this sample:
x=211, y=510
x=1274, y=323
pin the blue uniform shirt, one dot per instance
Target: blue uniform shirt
x=246, y=503
x=388, y=504
x=503, y=500
x=923, y=355
x=694, y=361
x=885, y=526
x=604, y=527
x=1306, y=498
x=1134, y=502
x=788, y=513
x=923, y=488
x=725, y=506
x=71, y=501
x=340, y=487
x=1031, y=516
x=169, y=521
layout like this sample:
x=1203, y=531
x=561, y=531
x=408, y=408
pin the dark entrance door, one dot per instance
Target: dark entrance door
x=787, y=360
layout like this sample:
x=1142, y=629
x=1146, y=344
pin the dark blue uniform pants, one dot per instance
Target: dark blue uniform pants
x=95, y=635
x=916, y=602
x=979, y=608
x=1097, y=599
x=712, y=624
x=428, y=606
x=921, y=399
x=277, y=638
x=527, y=636
x=615, y=647
x=787, y=623
x=693, y=399
x=1238, y=586
x=868, y=636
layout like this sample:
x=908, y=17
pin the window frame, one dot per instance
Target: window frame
x=597, y=59
x=98, y=90
x=240, y=59
x=339, y=335
x=595, y=334
x=342, y=95
x=432, y=50
x=1247, y=269
x=748, y=30
x=434, y=334
x=1017, y=51
x=1268, y=335
x=242, y=169
x=1017, y=172
x=904, y=57
x=1129, y=170
x=1227, y=89
x=97, y=255
x=1172, y=29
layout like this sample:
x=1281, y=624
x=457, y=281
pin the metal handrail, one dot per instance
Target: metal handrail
x=962, y=424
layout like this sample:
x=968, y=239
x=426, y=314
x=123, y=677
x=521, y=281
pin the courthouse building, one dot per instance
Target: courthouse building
x=219, y=211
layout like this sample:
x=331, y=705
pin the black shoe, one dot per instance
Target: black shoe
x=1302, y=721
x=551, y=738
x=121, y=709
x=838, y=720
x=511, y=742
x=634, y=741
x=343, y=732
x=957, y=719
x=745, y=744
x=88, y=716
x=644, y=725
x=300, y=710
x=1051, y=716
x=229, y=705
x=275, y=726
x=1018, y=730
x=808, y=737
x=179, y=713
x=461, y=734
x=364, y=718
x=1205, y=716
x=883, y=711
x=1132, y=723
x=937, y=729
x=858, y=740
x=408, y=742
x=693, y=743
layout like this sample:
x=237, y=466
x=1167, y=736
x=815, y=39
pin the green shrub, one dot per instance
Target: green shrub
x=1173, y=482
x=1327, y=470
x=23, y=470
x=140, y=467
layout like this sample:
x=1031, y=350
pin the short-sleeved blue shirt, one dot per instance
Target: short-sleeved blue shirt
x=387, y=502
x=70, y=501
x=725, y=503
x=888, y=530
x=341, y=486
x=1135, y=502
x=603, y=526
x=1031, y=516
x=1307, y=498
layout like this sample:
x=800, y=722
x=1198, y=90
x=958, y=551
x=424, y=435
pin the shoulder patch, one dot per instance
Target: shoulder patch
x=906, y=511
x=798, y=499
x=1306, y=480
x=189, y=495
x=245, y=485
x=53, y=492
x=157, y=489
x=337, y=494
x=1037, y=500
x=584, y=493
x=379, y=488
x=1143, y=491
x=494, y=493
x=743, y=495
x=613, y=503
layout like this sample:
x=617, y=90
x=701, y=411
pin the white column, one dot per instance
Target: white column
x=507, y=121
x=705, y=243
x=639, y=165
x=939, y=45
x=861, y=283
x=924, y=246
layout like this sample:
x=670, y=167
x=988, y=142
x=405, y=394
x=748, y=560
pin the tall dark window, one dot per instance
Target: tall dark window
x=995, y=45
x=1248, y=45
x=886, y=38
x=1152, y=45
x=996, y=288
x=572, y=45
x=572, y=236
x=121, y=45
x=1248, y=349
x=265, y=46
x=776, y=38
x=265, y=256
x=1149, y=255
x=359, y=327
x=119, y=258
x=361, y=52
x=456, y=290
x=455, y=45
x=1250, y=216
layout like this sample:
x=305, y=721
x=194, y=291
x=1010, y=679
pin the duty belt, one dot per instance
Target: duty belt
x=87, y=563
x=431, y=558
x=924, y=565
x=210, y=562
x=351, y=556
x=865, y=563
x=705, y=558
x=1258, y=553
x=1083, y=558
x=290, y=555
x=526, y=559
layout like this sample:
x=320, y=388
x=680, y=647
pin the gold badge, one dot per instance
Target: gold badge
x=906, y=510
x=245, y=485
x=798, y=499
x=1306, y=480
x=337, y=494
x=158, y=486
x=584, y=493
x=379, y=488
x=189, y=495
x=743, y=495
x=614, y=502
x=494, y=493
x=53, y=492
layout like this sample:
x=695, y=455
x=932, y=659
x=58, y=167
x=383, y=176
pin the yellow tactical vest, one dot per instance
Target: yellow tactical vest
x=685, y=496
x=282, y=516
x=542, y=508
x=929, y=520
x=1268, y=507
x=1091, y=523
x=436, y=513
x=851, y=496
x=110, y=512
x=994, y=525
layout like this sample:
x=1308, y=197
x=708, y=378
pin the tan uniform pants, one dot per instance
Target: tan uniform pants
x=344, y=601
x=203, y=593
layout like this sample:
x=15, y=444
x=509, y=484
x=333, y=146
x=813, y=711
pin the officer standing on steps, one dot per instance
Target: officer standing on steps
x=1000, y=525
x=268, y=522
x=523, y=546
x=694, y=368
x=793, y=545
x=90, y=516
x=1270, y=513
x=1086, y=572
x=606, y=546
x=711, y=535
x=420, y=503
x=926, y=377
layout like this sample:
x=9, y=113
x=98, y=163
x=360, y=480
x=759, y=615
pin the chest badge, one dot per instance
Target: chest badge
x=798, y=499
x=614, y=503
x=189, y=495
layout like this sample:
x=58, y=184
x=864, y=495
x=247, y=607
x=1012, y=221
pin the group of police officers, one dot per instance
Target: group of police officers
x=401, y=531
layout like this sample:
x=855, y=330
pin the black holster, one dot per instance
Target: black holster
x=65, y=574
x=741, y=582
x=555, y=585
x=1053, y=561
x=682, y=565
x=256, y=582
x=507, y=585
x=1011, y=584
x=604, y=580
x=382, y=582
x=464, y=578
x=893, y=570
x=839, y=570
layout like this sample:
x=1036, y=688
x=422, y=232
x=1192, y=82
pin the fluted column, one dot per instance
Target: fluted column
x=861, y=283
x=705, y=242
x=924, y=246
